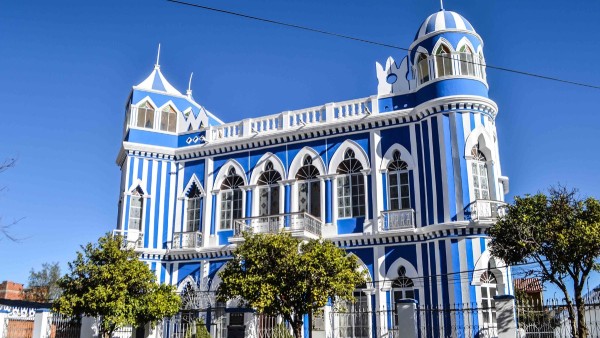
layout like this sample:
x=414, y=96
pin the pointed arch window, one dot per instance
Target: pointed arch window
x=145, y=116
x=136, y=206
x=467, y=66
x=443, y=60
x=479, y=170
x=423, y=68
x=231, y=199
x=350, y=187
x=399, y=186
x=488, y=291
x=269, y=191
x=193, y=209
x=168, y=119
x=402, y=288
x=309, y=188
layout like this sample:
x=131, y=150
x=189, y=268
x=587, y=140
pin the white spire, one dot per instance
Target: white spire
x=157, y=65
x=189, y=91
x=441, y=7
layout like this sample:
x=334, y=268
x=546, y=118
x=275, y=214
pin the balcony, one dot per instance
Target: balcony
x=486, y=210
x=132, y=239
x=394, y=220
x=186, y=240
x=299, y=224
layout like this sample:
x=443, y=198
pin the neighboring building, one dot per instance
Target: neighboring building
x=11, y=290
x=408, y=180
x=530, y=288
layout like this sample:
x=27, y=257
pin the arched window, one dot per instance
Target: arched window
x=193, y=209
x=402, y=288
x=269, y=191
x=481, y=62
x=488, y=291
x=309, y=188
x=136, y=206
x=351, y=187
x=231, y=199
x=467, y=66
x=423, y=68
x=145, y=117
x=399, y=190
x=168, y=119
x=480, y=174
x=443, y=61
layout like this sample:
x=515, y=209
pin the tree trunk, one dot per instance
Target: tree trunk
x=310, y=321
x=297, y=326
x=580, y=304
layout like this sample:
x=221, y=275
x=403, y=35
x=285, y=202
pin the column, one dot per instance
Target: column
x=287, y=202
x=42, y=323
x=407, y=317
x=89, y=327
x=213, y=213
x=506, y=316
x=378, y=187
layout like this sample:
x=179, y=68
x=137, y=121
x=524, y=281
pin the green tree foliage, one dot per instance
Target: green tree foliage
x=277, y=274
x=42, y=285
x=109, y=282
x=559, y=232
x=197, y=329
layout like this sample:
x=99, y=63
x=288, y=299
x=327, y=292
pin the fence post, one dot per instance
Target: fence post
x=3, y=323
x=407, y=317
x=506, y=316
x=89, y=327
x=42, y=324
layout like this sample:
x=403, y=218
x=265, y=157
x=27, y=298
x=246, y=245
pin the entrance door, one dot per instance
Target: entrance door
x=236, y=327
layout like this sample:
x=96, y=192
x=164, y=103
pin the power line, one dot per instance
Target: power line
x=348, y=37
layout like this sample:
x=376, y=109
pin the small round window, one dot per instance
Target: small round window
x=392, y=78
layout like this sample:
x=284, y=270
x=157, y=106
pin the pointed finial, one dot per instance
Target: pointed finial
x=189, y=91
x=442, y=5
x=157, y=65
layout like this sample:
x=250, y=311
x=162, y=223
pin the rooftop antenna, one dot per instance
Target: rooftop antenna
x=157, y=65
x=442, y=5
x=189, y=91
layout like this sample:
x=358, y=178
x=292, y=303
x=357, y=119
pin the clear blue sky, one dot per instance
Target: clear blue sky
x=66, y=68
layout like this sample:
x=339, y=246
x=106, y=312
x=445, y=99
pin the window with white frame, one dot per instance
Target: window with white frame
x=193, y=209
x=136, y=205
x=443, y=61
x=479, y=173
x=488, y=291
x=481, y=65
x=467, y=67
x=402, y=288
x=231, y=199
x=423, y=68
x=269, y=191
x=168, y=119
x=399, y=184
x=145, y=116
x=309, y=188
x=350, y=187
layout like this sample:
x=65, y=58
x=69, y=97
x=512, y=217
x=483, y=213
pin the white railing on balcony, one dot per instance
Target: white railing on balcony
x=453, y=64
x=298, y=221
x=131, y=238
x=186, y=240
x=397, y=220
x=307, y=116
x=486, y=210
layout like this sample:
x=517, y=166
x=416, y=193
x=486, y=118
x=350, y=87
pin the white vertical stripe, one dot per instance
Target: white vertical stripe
x=145, y=175
x=460, y=24
x=175, y=273
x=178, y=217
x=446, y=199
x=157, y=272
x=438, y=271
x=376, y=181
x=464, y=276
x=125, y=188
x=423, y=29
x=476, y=250
x=456, y=158
x=135, y=169
x=420, y=270
x=432, y=169
x=170, y=226
x=153, y=201
x=466, y=116
x=162, y=205
x=450, y=269
x=477, y=120
x=167, y=273
x=208, y=183
x=440, y=21
x=414, y=152
x=425, y=208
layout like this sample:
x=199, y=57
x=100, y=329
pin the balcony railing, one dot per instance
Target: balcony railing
x=187, y=240
x=397, y=220
x=453, y=64
x=292, y=222
x=131, y=238
x=486, y=210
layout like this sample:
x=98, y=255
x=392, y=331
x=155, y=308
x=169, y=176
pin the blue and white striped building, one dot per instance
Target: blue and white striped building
x=407, y=179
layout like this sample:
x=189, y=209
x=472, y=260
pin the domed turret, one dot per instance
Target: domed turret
x=444, y=21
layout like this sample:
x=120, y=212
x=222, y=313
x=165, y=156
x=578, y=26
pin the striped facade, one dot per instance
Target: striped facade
x=427, y=181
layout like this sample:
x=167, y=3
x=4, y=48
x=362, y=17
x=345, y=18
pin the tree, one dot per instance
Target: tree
x=42, y=285
x=109, y=282
x=277, y=274
x=559, y=232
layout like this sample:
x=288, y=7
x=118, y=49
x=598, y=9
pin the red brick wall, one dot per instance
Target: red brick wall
x=11, y=290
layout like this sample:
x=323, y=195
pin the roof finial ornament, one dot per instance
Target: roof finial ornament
x=189, y=91
x=157, y=65
x=441, y=5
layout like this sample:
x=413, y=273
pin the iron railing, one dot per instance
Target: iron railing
x=131, y=238
x=397, y=220
x=291, y=222
x=486, y=210
x=187, y=240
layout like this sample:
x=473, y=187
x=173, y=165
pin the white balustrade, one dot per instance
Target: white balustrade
x=186, y=240
x=131, y=238
x=397, y=219
x=487, y=210
x=299, y=221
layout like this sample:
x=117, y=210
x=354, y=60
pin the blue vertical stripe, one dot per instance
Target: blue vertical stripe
x=427, y=172
x=388, y=301
x=248, y=203
x=165, y=205
x=449, y=168
x=369, y=197
x=163, y=273
x=437, y=165
x=422, y=184
x=158, y=205
x=214, y=211
x=328, y=201
x=444, y=280
x=384, y=191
